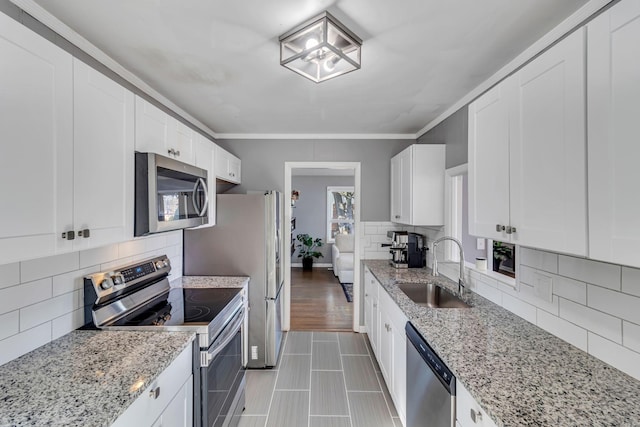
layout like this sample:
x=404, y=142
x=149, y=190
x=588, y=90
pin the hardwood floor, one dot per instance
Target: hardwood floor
x=318, y=302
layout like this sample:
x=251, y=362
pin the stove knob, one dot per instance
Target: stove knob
x=160, y=264
x=118, y=279
x=167, y=317
x=106, y=284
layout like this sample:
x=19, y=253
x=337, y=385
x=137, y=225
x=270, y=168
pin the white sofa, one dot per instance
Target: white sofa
x=342, y=257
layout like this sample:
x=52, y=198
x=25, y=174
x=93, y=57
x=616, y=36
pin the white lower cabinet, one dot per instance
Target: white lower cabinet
x=385, y=324
x=468, y=412
x=168, y=401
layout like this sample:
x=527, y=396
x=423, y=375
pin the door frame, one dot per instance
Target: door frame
x=288, y=168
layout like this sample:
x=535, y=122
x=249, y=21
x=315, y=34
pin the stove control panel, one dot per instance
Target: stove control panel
x=107, y=285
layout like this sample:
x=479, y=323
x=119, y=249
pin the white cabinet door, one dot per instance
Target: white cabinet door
x=614, y=152
x=396, y=188
x=36, y=165
x=182, y=141
x=371, y=310
x=468, y=412
x=228, y=166
x=179, y=413
x=399, y=382
x=205, y=159
x=153, y=128
x=417, y=185
x=385, y=351
x=548, y=150
x=103, y=158
x=489, y=163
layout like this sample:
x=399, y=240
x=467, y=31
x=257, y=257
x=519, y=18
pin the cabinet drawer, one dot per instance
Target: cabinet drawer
x=468, y=412
x=148, y=407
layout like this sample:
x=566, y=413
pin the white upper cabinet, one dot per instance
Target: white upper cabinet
x=205, y=159
x=417, y=185
x=527, y=154
x=158, y=132
x=614, y=151
x=489, y=163
x=228, y=167
x=183, y=142
x=548, y=185
x=36, y=165
x=103, y=159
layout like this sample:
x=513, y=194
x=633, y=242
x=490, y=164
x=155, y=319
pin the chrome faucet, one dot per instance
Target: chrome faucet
x=461, y=284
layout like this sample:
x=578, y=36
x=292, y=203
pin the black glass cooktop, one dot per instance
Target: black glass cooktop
x=190, y=306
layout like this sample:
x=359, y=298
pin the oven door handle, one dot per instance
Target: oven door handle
x=229, y=334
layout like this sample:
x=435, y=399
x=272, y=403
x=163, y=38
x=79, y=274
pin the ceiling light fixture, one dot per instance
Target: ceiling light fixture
x=320, y=49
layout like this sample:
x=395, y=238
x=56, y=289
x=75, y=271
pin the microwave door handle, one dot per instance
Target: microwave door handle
x=205, y=205
x=194, y=197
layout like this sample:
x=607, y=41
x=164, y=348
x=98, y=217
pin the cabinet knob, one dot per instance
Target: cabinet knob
x=86, y=233
x=476, y=416
x=173, y=152
x=510, y=229
x=397, y=216
x=69, y=235
x=500, y=227
x=154, y=393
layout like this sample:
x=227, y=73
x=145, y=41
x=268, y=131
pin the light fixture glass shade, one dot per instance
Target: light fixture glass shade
x=320, y=49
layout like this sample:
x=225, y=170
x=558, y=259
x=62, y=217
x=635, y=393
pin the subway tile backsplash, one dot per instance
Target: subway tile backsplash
x=594, y=306
x=42, y=299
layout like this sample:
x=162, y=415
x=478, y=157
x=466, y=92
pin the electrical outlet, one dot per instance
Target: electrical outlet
x=480, y=244
x=254, y=352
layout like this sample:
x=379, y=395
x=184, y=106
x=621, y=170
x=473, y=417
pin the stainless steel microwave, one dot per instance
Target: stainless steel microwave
x=169, y=195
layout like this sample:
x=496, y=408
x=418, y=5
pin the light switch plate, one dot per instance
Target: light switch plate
x=480, y=244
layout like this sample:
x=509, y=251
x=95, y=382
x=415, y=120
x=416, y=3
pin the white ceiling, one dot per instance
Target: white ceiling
x=219, y=59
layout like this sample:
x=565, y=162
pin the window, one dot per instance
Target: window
x=340, y=206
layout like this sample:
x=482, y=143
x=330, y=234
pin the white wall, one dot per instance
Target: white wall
x=43, y=299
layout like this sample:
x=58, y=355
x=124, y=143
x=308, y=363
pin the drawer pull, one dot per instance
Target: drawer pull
x=476, y=416
x=154, y=393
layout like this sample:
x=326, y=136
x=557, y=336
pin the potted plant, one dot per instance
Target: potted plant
x=307, y=250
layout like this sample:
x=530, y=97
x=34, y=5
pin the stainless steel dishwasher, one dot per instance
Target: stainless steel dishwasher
x=431, y=387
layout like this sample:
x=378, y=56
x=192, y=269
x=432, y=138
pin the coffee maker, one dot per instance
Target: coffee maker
x=408, y=250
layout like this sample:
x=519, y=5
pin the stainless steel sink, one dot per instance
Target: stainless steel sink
x=431, y=295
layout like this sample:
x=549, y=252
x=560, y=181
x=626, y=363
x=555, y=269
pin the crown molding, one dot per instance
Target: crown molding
x=42, y=15
x=575, y=20
x=316, y=136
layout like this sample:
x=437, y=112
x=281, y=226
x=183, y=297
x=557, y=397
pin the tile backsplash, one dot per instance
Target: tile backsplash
x=593, y=305
x=43, y=299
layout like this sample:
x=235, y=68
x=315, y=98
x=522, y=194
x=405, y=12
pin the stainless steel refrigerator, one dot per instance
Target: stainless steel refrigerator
x=246, y=241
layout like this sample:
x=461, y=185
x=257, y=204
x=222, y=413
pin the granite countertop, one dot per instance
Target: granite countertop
x=210, y=282
x=85, y=378
x=518, y=373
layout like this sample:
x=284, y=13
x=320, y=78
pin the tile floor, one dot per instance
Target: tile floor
x=323, y=379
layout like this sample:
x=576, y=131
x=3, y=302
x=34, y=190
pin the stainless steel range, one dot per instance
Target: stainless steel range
x=138, y=297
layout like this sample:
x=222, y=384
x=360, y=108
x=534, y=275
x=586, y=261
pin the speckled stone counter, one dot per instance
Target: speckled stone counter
x=85, y=378
x=518, y=373
x=210, y=282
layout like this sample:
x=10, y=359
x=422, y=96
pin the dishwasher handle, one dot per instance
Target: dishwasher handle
x=431, y=358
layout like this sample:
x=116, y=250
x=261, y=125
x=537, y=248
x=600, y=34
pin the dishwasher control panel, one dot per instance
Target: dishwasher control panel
x=430, y=357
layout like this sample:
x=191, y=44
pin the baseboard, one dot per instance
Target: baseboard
x=315, y=264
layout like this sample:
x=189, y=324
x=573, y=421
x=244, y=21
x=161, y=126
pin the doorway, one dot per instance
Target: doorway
x=315, y=300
